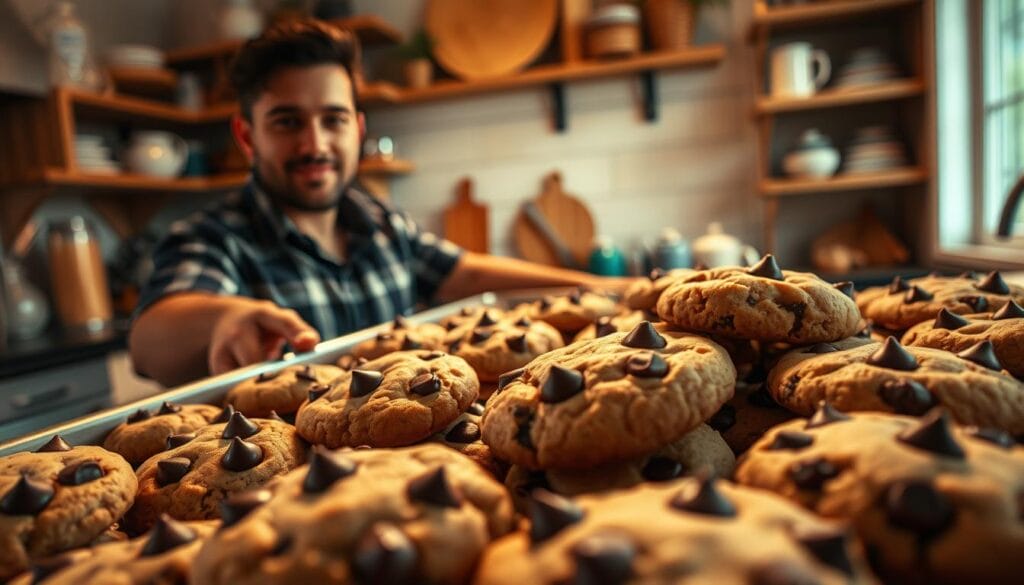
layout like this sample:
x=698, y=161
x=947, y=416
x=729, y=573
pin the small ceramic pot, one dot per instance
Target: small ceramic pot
x=813, y=158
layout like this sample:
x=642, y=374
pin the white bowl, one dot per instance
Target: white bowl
x=815, y=163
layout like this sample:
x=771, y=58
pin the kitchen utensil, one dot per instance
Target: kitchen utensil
x=465, y=221
x=26, y=308
x=793, y=70
x=717, y=248
x=477, y=39
x=540, y=223
x=568, y=218
x=156, y=153
x=78, y=276
x=813, y=157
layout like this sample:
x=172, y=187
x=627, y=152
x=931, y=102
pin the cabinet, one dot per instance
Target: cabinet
x=904, y=30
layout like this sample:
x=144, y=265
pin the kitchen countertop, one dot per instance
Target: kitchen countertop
x=57, y=347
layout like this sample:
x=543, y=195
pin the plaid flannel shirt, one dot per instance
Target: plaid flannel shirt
x=245, y=246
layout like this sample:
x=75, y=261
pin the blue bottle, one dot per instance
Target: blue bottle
x=607, y=259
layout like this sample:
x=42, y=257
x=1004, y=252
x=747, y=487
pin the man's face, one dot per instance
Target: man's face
x=304, y=136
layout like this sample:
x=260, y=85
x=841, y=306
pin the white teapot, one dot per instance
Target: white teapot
x=156, y=153
x=717, y=248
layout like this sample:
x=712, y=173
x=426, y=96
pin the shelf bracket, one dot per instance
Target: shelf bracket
x=649, y=88
x=558, y=112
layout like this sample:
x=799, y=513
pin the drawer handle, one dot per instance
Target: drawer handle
x=23, y=401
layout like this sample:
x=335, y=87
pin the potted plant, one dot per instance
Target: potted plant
x=418, y=67
x=670, y=23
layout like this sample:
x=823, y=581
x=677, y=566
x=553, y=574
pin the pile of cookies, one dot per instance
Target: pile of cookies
x=731, y=425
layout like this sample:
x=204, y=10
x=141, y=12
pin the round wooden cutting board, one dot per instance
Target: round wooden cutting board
x=568, y=217
x=476, y=39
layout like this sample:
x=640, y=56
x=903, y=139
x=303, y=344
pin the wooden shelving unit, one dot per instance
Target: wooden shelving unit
x=840, y=97
x=822, y=12
x=844, y=182
x=146, y=82
x=135, y=109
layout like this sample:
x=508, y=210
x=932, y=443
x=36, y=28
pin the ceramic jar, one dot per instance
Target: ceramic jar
x=814, y=157
x=239, y=20
x=717, y=248
x=157, y=154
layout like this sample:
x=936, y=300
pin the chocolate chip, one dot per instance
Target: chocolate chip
x=864, y=333
x=400, y=322
x=766, y=267
x=897, y=285
x=56, y=444
x=241, y=455
x=450, y=325
x=829, y=547
x=347, y=362
x=80, y=472
x=425, y=384
x=700, y=266
x=994, y=436
x=790, y=441
x=274, y=416
x=434, y=488
x=603, y=559
x=179, y=439
x=225, y=415
x=507, y=377
x=464, y=432
x=45, y=568
x=655, y=274
x=977, y=303
x=701, y=496
x=168, y=408
x=28, y=497
x=454, y=346
x=983, y=354
x=644, y=336
x=846, y=287
x=947, y=320
x=933, y=434
x=429, y=357
x=917, y=294
x=523, y=321
x=317, y=390
x=550, y=513
x=410, y=342
x=166, y=535
x=306, y=373
x=535, y=479
x=467, y=311
x=544, y=303
x=1011, y=310
x=646, y=365
x=384, y=554
x=485, y=319
x=907, y=396
x=561, y=384
x=476, y=408
x=724, y=419
x=798, y=310
x=171, y=470
x=813, y=473
x=284, y=544
x=574, y=297
x=661, y=469
x=239, y=426
x=917, y=506
x=517, y=343
x=364, y=382
x=821, y=348
x=724, y=322
x=139, y=416
x=480, y=336
x=603, y=326
x=266, y=376
x=324, y=469
x=993, y=283
x=762, y=397
x=238, y=505
x=523, y=417
x=893, y=356
x=826, y=414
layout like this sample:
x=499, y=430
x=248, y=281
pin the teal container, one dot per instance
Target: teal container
x=607, y=259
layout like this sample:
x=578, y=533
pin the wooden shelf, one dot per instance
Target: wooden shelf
x=815, y=13
x=859, y=181
x=145, y=81
x=56, y=176
x=692, y=57
x=385, y=167
x=841, y=97
x=142, y=109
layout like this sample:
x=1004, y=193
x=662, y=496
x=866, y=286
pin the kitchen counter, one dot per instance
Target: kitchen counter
x=58, y=347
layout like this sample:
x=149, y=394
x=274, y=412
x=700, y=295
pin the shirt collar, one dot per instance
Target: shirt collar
x=356, y=214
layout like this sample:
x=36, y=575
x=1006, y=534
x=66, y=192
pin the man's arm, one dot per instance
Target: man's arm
x=477, y=273
x=189, y=335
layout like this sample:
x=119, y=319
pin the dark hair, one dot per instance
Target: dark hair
x=293, y=43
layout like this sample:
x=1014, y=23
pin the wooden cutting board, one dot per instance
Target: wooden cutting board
x=476, y=39
x=465, y=220
x=569, y=219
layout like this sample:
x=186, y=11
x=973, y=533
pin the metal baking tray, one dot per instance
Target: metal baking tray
x=91, y=429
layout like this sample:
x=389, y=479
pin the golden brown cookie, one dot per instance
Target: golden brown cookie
x=643, y=293
x=934, y=503
x=493, y=345
x=404, y=336
x=951, y=332
x=624, y=321
x=747, y=416
x=464, y=436
x=145, y=434
x=281, y=391
x=572, y=312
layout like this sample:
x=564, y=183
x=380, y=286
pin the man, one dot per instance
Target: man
x=300, y=253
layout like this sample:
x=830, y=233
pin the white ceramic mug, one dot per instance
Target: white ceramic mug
x=793, y=72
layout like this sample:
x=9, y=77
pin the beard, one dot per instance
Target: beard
x=279, y=191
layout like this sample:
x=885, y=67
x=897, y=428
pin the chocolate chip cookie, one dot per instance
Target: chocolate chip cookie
x=464, y=436
x=395, y=400
x=404, y=336
x=624, y=321
x=693, y=530
x=494, y=346
x=614, y=398
x=905, y=303
x=572, y=312
x=281, y=391
x=855, y=376
x=748, y=414
x=415, y=515
x=761, y=302
x=643, y=293
x=956, y=333
x=57, y=498
x=934, y=503
x=164, y=555
x=145, y=434
x=188, y=480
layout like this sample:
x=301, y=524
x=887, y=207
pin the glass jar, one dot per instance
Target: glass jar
x=78, y=276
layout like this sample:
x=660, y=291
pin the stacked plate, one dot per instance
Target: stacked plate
x=93, y=156
x=866, y=66
x=874, y=149
x=135, y=57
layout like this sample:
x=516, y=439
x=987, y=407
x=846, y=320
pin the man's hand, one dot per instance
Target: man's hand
x=255, y=331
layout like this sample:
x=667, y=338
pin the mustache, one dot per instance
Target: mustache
x=312, y=160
